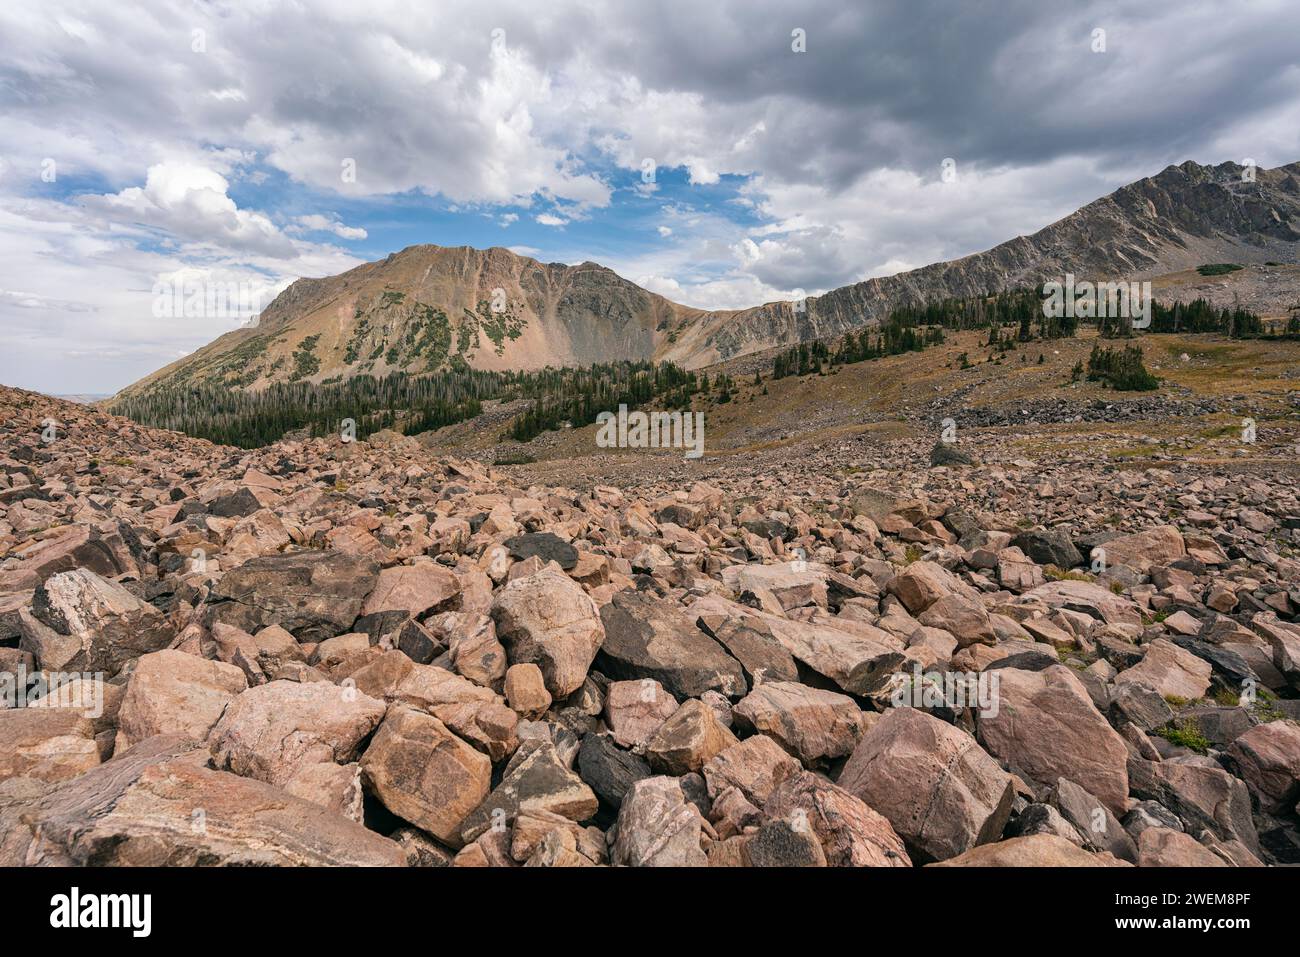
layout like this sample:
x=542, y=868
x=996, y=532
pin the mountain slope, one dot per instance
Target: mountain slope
x=428, y=306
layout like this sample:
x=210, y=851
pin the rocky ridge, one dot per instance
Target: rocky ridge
x=427, y=306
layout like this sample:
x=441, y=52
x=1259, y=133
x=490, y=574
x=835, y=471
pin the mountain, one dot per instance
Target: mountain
x=429, y=306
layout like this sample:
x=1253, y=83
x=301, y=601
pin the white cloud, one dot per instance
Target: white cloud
x=191, y=201
x=550, y=219
x=318, y=223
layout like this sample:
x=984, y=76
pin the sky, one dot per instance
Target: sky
x=723, y=154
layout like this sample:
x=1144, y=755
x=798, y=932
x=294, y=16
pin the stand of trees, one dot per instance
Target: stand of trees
x=408, y=403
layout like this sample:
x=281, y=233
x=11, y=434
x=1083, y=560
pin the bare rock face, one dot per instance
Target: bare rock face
x=46, y=744
x=1046, y=727
x=657, y=827
x=937, y=787
x=1170, y=671
x=547, y=619
x=159, y=806
x=271, y=731
x=313, y=595
x=851, y=834
x=809, y=723
x=425, y=774
x=171, y=692
x=82, y=622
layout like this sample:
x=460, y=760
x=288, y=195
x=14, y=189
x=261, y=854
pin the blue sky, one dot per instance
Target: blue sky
x=146, y=142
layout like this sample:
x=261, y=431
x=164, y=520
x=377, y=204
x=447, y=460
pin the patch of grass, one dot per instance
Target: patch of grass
x=1117, y=588
x=1186, y=733
x=1218, y=269
x=1175, y=701
x=1227, y=698
x=1054, y=574
x=514, y=458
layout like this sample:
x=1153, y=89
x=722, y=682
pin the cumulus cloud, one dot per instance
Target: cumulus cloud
x=191, y=201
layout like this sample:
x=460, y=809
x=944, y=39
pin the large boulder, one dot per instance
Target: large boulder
x=941, y=792
x=850, y=832
x=1049, y=547
x=406, y=591
x=1046, y=727
x=647, y=637
x=477, y=714
x=313, y=595
x=1156, y=546
x=1204, y=798
x=425, y=774
x=157, y=805
x=1098, y=603
x=1268, y=758
x=547, y=619
x=658, y=827
x=609, y=770
x=1170, y=671
x=171, y=692
x=810, y=723
x=856, y=655
x=270, y=731
x=537, y=778
x=688, y=739
x=82, y=622
x=755, y=767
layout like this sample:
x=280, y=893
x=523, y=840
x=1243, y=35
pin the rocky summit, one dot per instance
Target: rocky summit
x=361, y=653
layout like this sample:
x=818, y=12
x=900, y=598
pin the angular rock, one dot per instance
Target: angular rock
x=425, y=774
x=158, y=806
x=851, y=834
x=547, y=619
x=46, y=744
x=1170, y=671
x=312, y=595
x=81, y=622
x=810, y=723
x=1268, y=758
x=644, y=638
x=1046, y=727
x=171, y=692
x=933, y=782
x=657, y=827
x=270, y=731
x=687, y=740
